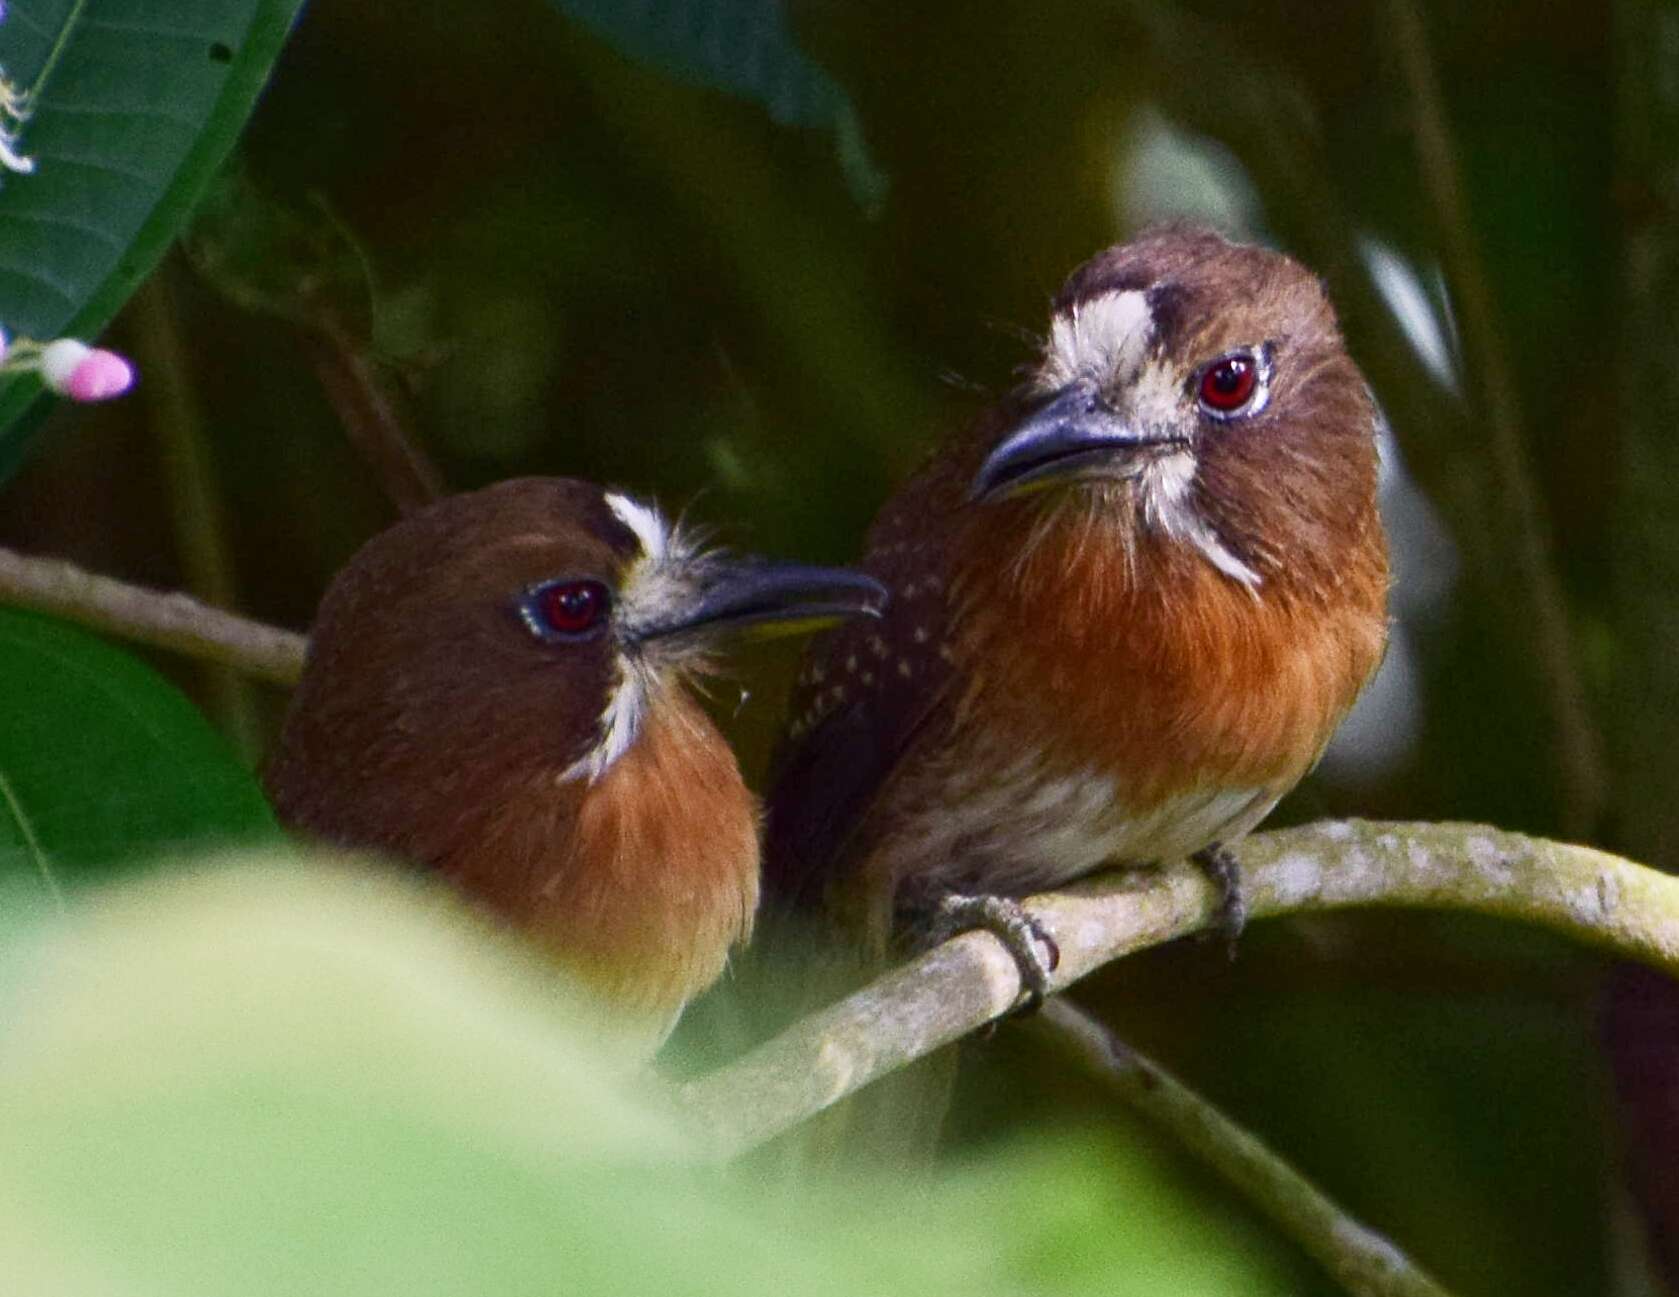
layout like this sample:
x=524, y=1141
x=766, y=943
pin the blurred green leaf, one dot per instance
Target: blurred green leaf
x=102, y=759
x=136, y=106
x=746, y=48
x=371, y=1092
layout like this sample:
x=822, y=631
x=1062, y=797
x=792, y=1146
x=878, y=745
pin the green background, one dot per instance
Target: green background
x=754, y=259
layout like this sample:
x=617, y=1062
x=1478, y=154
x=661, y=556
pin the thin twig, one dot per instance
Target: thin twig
x=371, y=419
x=170, y=621
x=931, y=1001
x=1359, y=1259
x=1579, y=746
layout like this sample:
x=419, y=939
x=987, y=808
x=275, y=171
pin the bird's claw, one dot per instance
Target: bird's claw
x=1008, y=921
x=1222, y=870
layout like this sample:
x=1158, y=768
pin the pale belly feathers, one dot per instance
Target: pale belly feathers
x=1014, y=827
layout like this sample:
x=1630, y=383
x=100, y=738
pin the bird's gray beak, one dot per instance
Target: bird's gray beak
x=759, y=599
x=1074, y=435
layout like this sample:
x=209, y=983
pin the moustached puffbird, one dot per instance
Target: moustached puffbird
x=496, y=690
x=1129, y=606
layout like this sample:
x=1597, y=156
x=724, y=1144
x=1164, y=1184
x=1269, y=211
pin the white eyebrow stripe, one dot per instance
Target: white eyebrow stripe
x=645, y=521
x=1106, y=338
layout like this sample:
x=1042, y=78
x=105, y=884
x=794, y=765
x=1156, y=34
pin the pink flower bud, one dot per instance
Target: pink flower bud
x=101, y=376
x=76, y=370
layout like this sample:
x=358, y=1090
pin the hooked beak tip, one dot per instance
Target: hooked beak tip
x=1074, y=435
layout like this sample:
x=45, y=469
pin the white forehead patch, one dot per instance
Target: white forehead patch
x=645, y=521
x=1105, y=338
x=1111, y=340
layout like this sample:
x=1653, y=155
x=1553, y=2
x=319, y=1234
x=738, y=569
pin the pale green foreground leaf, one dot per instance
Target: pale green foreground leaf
x=136, y=103
x=101, y=759
x=280, y=1075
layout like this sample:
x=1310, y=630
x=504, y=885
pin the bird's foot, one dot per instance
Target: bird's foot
x=1035, y=952
x=1219, y=864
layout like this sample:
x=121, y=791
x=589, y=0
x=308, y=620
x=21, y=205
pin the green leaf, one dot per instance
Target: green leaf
x=283, y=1076
x=102, y=760
x=745, y=48
x=136, y=105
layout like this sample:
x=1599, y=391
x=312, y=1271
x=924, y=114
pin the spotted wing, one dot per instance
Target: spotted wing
x=868, y=695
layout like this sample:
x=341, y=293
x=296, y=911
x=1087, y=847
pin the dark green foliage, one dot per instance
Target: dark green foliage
x=746, y=48
x=102, y=762
x=128, y=127
x=596, y=251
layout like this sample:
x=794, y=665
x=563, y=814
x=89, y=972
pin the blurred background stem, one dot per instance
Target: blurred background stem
x=372, y=416
x=195, y=502
x=1647, y=532
x=1362, y=1261
x=1643, y=1011
x=1516, y=499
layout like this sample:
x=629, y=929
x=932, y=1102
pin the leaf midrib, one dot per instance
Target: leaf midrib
x=31, y=840
x=59, y=43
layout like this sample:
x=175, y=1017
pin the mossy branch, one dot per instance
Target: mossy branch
x=1590, y=895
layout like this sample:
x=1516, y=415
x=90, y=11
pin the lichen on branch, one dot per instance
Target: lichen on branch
x=1589, y=895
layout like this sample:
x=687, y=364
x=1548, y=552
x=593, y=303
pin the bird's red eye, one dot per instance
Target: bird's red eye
x=565, y=609
x=1228, y=384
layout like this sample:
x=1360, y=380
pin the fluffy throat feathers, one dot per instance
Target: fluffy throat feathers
x=660, y=575
x=1113, y=341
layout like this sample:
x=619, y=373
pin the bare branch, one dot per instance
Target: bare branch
x=170, y=621
x=1361, y=1260
x=931, y=1001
